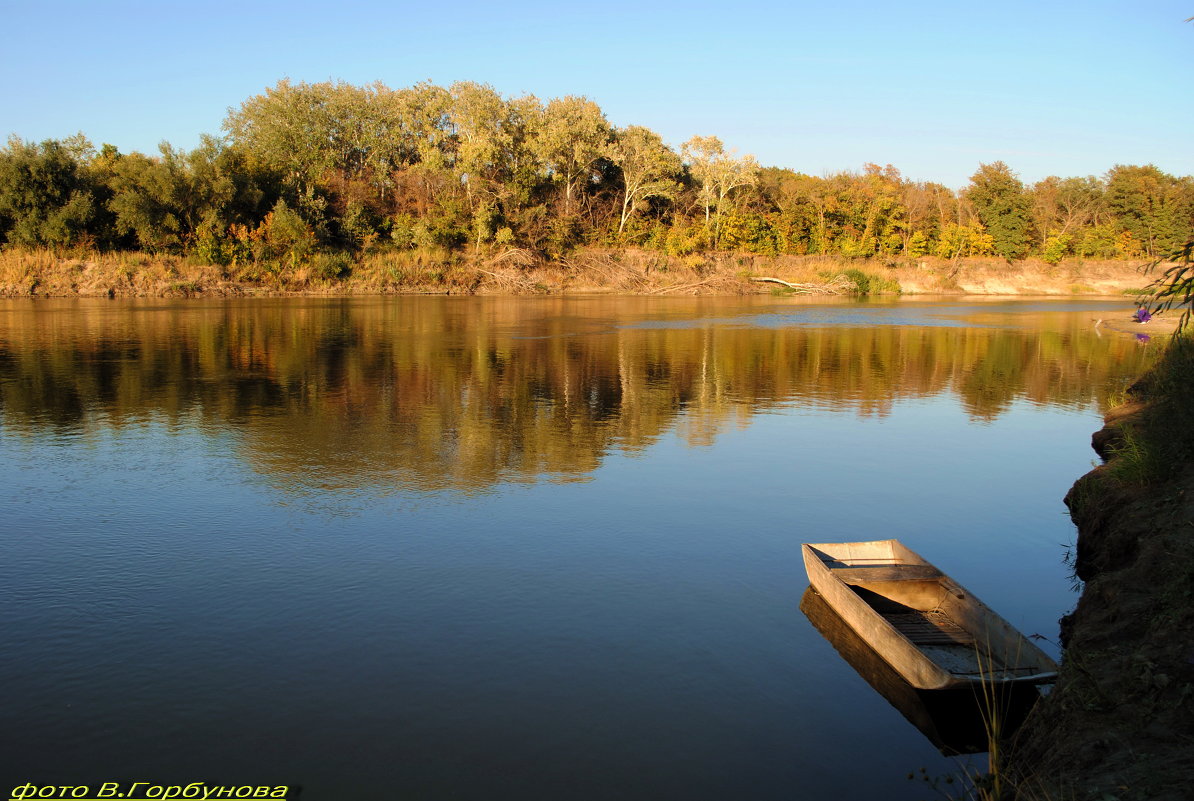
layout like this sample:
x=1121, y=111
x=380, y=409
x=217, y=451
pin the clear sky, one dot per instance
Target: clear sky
x=934, y=88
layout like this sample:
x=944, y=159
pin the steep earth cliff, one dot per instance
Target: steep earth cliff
x=1120, y=722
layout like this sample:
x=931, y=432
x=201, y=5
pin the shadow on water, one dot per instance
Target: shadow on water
x=954, y=721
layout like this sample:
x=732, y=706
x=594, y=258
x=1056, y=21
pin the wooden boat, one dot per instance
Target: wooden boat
x=930, y=629
x=957, y=720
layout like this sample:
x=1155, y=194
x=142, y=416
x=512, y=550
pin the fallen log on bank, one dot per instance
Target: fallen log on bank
x=840, y=285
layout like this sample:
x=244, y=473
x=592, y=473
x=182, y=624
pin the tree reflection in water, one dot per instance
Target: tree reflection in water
x=464, y=393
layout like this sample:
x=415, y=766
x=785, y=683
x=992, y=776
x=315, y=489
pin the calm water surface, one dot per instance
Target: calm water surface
x=469, y=548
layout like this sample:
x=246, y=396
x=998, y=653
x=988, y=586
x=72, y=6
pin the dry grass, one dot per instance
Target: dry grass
x=518, y=271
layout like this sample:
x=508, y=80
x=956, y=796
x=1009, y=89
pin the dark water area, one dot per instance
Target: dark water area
x=488, y=548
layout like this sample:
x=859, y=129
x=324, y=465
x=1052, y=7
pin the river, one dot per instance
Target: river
x=510, y=548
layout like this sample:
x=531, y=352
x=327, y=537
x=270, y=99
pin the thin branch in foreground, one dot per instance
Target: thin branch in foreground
x=1174, y=287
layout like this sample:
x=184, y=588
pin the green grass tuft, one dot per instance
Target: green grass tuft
x=1151, y=448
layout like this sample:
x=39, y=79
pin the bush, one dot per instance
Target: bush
x=684, y=240
x=1057, y=248
x=330, y=266
x=287, y=234
x=403, y=231
x=870, y=284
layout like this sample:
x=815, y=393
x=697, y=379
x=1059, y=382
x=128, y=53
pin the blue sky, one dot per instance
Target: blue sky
x=935, y=88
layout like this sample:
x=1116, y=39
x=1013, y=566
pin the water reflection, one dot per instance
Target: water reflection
x=632, y=637
x=954, y=721
x=464, y=393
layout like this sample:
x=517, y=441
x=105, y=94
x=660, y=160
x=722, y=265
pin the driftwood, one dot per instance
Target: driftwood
x=678, y=287
x=840, y=285
x=507, y=267
x=507, y=281
x=609, y=270
x=518, y=257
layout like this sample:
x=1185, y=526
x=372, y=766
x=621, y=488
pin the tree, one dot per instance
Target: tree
x=1150, y=205
x=362, y=132
x=718, y=173
x=700, y=153
x=46, y=197
x=1061, y=210
x=648, y=168
x=957, y=240
x=872, y=210
x=493, y=158
x=166, y=200
x=808, y=209
x=999, y=200
x=569, y=142
x=918, y=230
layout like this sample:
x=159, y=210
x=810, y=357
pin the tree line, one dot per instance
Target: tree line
x=334, y=167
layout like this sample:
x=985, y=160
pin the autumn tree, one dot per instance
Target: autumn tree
x=494, y=155
x=872, y=210
x=1061, y=210
x=922, y=224
x=366, y=167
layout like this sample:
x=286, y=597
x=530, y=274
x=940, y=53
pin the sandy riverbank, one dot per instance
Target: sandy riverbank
x=515, y=272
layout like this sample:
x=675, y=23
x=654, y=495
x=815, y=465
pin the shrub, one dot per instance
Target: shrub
x=870, y=284
x=330, y=266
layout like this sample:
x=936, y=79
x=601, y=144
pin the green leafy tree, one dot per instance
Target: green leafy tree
x=306, y=131
x=46, y=197
x=648, y=168
x=1154, y=207
x=289, y=129
x=569, y=142
x=494, y=157
x=999, y=200
x=174, y=200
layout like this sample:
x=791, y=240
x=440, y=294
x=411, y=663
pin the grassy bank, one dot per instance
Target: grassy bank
x=1120, y=723
x=25, y=273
